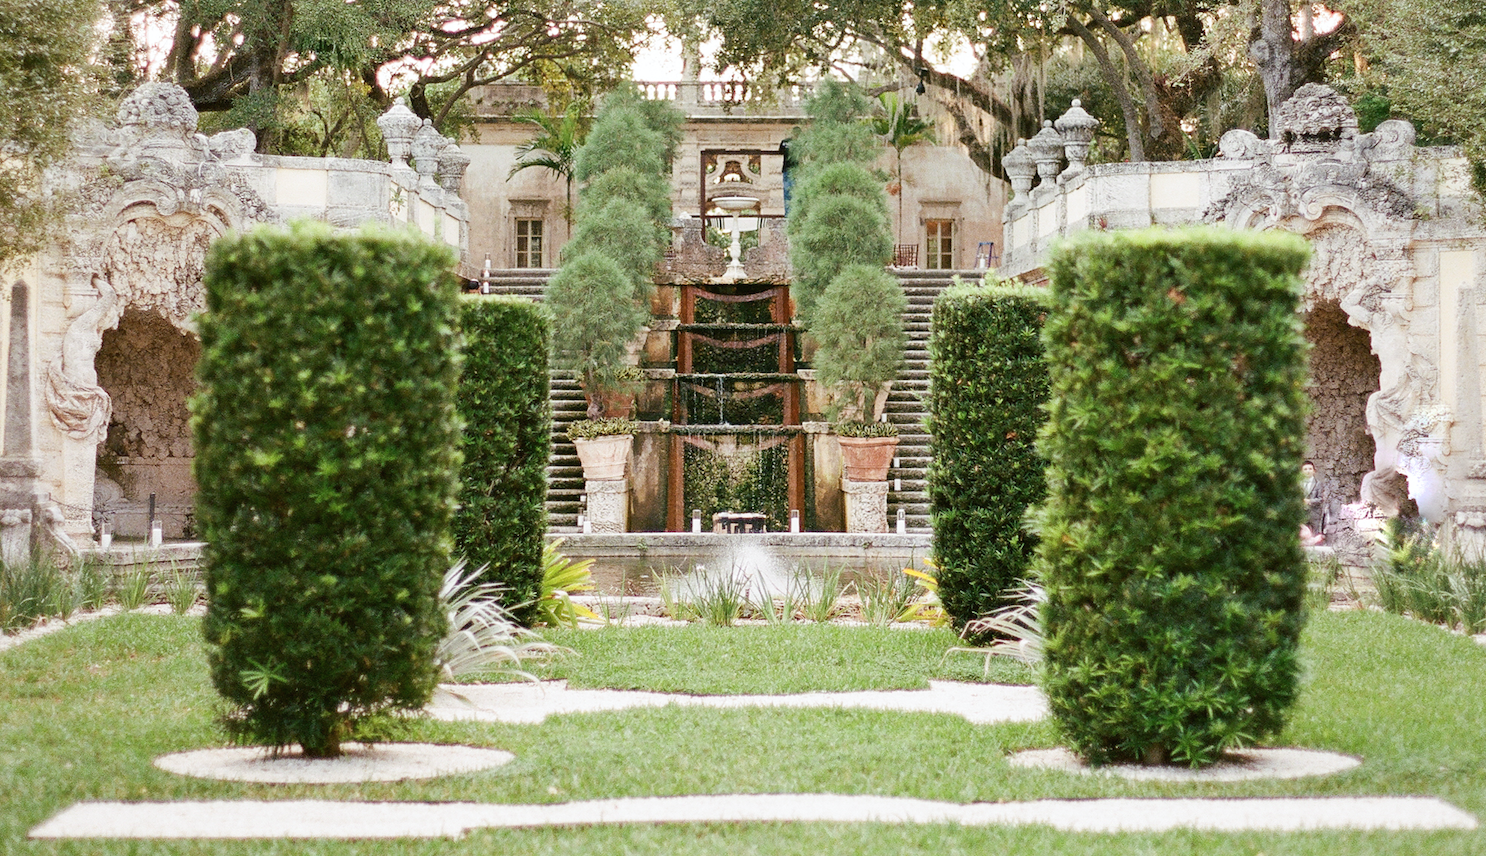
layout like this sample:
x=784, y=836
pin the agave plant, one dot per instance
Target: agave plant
x=483, y=639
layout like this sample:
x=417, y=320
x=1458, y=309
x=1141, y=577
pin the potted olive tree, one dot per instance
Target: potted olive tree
x=840, y=243
x=859, y=331
x=600, y=297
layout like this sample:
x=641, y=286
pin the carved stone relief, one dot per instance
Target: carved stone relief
x=1315, y=119
x=1337, y=264
x=156, y=264
x=78, y=405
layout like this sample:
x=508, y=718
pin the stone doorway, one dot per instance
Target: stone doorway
x=148, y=367
x=1344, y=373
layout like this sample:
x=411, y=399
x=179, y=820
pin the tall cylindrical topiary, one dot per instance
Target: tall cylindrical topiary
x=620, y=231
x=327, y=458
x=987, y=388
x=831, y=230
x=507, y=415
x=839, y=234
x=623, y=221
x=1169, y=539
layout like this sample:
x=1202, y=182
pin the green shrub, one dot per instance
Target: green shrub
x=837, y=133
x=987, y=388
x=327, y=458
x=622, y=233
x=589, y=429
x=646, y=195
x=866, y=430
x=504, y=404
x=600, y=298
x=836, y=179
x=859, y=325
x=1170, y=537
x=836, y=231
x=620, y=138
x=594, y=318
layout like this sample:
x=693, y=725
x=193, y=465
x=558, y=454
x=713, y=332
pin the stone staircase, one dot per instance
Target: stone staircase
x=906, y=404
x=564, y=474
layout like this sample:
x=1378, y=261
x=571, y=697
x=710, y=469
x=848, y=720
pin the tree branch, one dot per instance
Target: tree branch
x=1116, y=80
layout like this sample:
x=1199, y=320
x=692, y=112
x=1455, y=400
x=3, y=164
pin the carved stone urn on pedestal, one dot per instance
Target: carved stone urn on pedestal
x=604, y=460
x=867, y=458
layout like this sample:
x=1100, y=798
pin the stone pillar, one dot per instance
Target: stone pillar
x=15, y=536
x=866, y=505
x=608, y=504
x=18, y=467
x=18, y=377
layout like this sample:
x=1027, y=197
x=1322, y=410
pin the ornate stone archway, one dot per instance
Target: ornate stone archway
x=1334, y=188
x=166, y=196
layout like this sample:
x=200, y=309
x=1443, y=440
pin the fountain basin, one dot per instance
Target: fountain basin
x=627, y=563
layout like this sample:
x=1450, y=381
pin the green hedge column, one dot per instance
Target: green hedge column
x=503, y=400
x=327, y=459
x=1170, y=545
x=987, y=387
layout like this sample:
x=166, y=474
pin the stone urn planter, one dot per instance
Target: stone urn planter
x=866, y=459
x=604, y=458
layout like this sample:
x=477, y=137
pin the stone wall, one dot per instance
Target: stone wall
x=1392, y=301
x=113, y=339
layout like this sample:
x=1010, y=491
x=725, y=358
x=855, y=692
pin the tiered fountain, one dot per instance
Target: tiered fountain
x=736, y=441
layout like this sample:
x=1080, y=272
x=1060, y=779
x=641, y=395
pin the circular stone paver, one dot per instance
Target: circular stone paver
x=1235, y=766
x=383, y=762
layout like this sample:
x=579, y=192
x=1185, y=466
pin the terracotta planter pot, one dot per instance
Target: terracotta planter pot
x=867, y=458
x=617, y=405
x=604, y=458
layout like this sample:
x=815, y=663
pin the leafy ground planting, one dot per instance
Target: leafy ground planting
x=83, y=713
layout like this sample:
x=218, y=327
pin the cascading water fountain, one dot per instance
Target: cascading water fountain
x=737, y=444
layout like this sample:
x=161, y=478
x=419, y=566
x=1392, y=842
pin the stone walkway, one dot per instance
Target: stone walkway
x=532, y=702
x=325, y=819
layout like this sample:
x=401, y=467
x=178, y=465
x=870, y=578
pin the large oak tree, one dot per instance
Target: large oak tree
x=257, y=61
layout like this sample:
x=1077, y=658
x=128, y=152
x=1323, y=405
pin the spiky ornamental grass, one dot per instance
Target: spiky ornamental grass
x=327, y=455
x=1169, y=539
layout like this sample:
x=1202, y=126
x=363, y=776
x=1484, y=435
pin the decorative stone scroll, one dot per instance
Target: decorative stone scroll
x=1315, y=119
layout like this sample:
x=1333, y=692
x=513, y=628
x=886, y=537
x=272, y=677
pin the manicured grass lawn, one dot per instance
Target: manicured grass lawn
x=83, y=713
